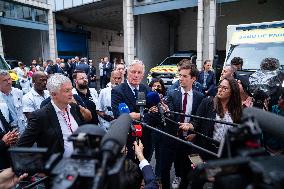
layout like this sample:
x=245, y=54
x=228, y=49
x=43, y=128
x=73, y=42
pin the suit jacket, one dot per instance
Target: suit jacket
x=174, y=102
x=124, y=94
x=149, y=177
x=4, y=155
x=84, y=67
x=44, y=129
x=210, y=82
x=206, y=109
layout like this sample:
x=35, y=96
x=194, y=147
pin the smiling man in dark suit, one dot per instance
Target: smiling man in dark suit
x=185, y=100
x=51, y=125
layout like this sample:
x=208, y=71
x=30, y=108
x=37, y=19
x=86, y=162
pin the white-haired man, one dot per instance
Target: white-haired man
x=127, y=93
x=51, y=125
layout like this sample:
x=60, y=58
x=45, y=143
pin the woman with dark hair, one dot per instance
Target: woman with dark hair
x=153, y=118
x=225, y=106
x=207, y=79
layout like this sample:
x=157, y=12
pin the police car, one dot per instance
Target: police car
x=167, y=70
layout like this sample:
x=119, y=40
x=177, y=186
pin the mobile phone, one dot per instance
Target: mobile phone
x=195, y=159
x=28, y=160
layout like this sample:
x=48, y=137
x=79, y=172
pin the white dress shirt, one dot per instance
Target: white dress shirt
x=32, y=100
x=66, y=131
x=188, y=106
x=104, y=102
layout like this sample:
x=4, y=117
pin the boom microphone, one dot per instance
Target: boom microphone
x=267, y=121
x=111, y=146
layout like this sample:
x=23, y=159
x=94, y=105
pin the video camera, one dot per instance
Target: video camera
x=96, y=162
x=244, y=163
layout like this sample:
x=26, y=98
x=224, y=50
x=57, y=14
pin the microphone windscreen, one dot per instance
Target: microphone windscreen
x=269, y=122
x=123, y=108
x=153, y=99
x=118, y=131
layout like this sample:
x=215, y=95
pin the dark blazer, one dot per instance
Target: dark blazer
x=84, y=67
x=206, y=109
x=174, y=102
x=4, y=155
x=44, y=129
x=149, y=177
x=210, y=82
x=124, y=94
x=107, y=69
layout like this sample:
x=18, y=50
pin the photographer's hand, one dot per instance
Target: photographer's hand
x=139, y=150
x=8, y=179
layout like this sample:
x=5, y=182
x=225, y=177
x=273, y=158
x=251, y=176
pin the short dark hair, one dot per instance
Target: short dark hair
x=237, y=61
x=74, y=76
x=270, y=64
x=193, y=71
x=184, y=61
x=49, y=61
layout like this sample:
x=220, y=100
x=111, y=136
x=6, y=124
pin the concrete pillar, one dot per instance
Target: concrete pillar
x=128, y=27
x=212, y=26
x=200, y=29
x=52, y=35
x=1, y=45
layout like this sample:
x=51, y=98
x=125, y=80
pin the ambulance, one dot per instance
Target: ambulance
x=167, y=69
x=5, y=66
x=254, y=42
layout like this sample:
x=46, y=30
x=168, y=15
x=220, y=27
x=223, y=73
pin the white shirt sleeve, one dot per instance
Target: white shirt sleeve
x=143, y=163
x=28, y=104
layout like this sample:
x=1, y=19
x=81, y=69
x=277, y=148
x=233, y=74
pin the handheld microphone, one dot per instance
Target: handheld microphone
x=267, y=121
x=153, y=99
x=141, y=102
x=123, y=108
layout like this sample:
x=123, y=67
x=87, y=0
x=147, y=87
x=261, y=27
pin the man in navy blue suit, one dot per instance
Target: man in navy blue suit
x=127, y=93
x=185, y=100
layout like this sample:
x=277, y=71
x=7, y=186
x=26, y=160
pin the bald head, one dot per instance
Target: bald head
x=39, y=79
x=116, y=77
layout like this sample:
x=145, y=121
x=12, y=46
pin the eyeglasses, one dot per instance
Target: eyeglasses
x=223, y=88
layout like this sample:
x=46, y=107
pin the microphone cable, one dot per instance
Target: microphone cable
x=204, y=118
x=196, y=132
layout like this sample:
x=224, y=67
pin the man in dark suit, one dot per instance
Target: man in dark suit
x=184, y=100
x=127, y=93
x=51, y=125
x=8, y=137
x=107, y=69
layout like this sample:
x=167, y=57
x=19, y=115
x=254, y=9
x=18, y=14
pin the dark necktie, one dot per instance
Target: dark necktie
x=135, y=92
x=184, y=104
x=5, y=124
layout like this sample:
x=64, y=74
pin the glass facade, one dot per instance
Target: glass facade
x=23, y=12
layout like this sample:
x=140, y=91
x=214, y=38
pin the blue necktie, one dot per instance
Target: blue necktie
x=136, y=92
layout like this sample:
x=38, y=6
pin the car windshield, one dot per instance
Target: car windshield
x=253, y=54
x=3, y=64
x=172, y=61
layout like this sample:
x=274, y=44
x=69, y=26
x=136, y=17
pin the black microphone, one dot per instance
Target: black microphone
x=161, y=111
x=141, y=102
x=116, y=137
x=269, y=122
x=111, y=146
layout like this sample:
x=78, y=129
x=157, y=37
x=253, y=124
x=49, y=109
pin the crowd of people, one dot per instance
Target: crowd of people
x=56, y=98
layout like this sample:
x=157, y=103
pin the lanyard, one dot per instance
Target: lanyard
x=67, y=120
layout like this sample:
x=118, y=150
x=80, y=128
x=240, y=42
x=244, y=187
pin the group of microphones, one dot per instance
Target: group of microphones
x=268, y=122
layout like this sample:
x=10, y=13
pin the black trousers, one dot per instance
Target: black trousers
x=182, y=165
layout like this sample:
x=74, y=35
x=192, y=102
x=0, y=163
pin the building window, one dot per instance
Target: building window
x=40, y=15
